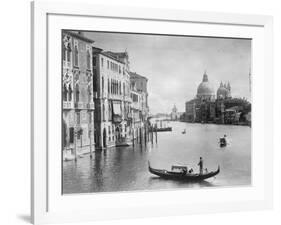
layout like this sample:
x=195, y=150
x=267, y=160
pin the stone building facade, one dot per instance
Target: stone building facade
x=77, y=95
x=112, y=98
x=139, y=107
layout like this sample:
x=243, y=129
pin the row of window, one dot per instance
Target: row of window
x=110, y=65
x=66, y=55
x=67, y=92
x=113, y=86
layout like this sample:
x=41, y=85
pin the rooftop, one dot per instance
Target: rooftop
x=77, y=35
x=135, y=75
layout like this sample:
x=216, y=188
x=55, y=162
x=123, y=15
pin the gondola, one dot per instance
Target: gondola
x=182, y=176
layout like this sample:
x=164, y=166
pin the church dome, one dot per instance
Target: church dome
x=205, y=90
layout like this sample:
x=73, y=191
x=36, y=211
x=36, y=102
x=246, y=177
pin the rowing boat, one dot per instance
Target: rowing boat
x=181, y=175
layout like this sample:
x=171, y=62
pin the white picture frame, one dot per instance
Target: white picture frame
x=46, y=204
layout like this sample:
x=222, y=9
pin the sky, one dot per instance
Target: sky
x=174, y=65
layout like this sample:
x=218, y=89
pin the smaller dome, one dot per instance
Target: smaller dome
x=223, y=91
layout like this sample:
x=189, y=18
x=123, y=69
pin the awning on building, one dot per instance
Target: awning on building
x=116, y=108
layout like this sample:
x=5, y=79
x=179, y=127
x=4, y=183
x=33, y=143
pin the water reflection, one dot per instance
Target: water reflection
x=126, y=168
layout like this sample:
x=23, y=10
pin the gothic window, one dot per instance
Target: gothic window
x=75, y=55
x=95, y=88
x=103, y=112
x=71, y=135
x=102, y=85
x=94, y=61
x=108, y=86
x=77, y=93
x=78, y=118
x=109, y=111
x=68, y=51
x=69, y=93
x=89, y=91
x=65, y=92
x=101, y=62
x=120, y=88
x=113, y=86
x=64, y=54
x=88, y=60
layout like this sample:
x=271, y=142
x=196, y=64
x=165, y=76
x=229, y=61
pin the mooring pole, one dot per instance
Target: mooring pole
x=151, y=135
x=133, y=138
x=75, y=145
x=90, y=133
x=156, y=133
x=145, y=133
x=140, y=136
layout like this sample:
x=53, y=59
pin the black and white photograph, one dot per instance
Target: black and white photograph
x=143, y=112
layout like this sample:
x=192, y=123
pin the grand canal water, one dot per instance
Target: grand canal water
x=126, y=168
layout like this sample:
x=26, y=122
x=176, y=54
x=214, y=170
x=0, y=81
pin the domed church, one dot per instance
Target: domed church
x=224, y=91
x=205, y=90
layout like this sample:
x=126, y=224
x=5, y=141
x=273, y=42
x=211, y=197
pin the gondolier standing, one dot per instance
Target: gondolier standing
x=200, y=164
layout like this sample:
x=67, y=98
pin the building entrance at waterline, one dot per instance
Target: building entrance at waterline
x=104, y=138
x=117, y=134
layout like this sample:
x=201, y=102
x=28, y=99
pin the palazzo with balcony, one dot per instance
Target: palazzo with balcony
x=77, y=95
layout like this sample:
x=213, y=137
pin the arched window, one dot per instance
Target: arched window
x=113, y=86
x=102, y=85
x=124, y=89
x=77, y=93
x=75, y=55
x=64, y=53
x=65, y=92
x=108, y=86
x=68, y=51
x=69, y=93
x=103, y=112
x=120, y=89
x=88, y=60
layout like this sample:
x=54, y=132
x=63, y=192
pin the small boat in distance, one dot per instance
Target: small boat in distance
x=184, y=131
x=182, y=175
x=223, y=141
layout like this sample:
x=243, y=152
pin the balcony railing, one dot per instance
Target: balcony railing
x=80, y=105
x=68, y=105
x=91, y=105
x=66, y=64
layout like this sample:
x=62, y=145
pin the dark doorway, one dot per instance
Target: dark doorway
x=104, y=137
